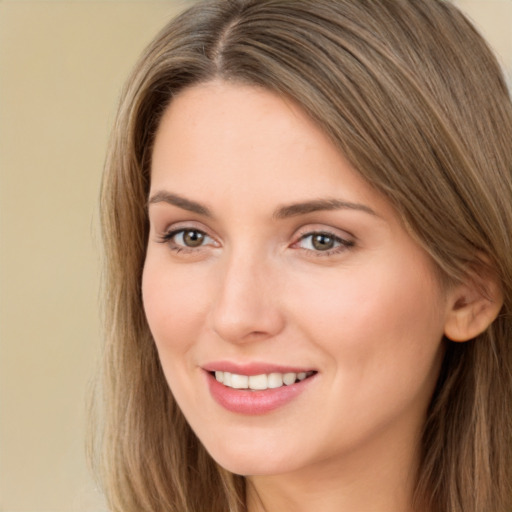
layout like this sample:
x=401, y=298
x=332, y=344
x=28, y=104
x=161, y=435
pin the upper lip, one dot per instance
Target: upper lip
x=253, y=368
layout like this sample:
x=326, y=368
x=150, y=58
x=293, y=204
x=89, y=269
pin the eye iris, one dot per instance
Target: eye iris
x=322, y=242
x=193, y=238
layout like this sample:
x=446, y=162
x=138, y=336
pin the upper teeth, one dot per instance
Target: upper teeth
x=259, y=382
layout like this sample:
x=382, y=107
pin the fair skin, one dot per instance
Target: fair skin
x=336, y=287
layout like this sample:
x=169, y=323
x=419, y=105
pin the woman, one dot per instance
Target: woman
x=307, y=209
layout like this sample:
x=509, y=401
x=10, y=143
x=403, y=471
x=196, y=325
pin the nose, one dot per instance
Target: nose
x=246, y=306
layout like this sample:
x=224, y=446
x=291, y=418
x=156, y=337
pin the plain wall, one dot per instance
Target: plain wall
x=62, y=64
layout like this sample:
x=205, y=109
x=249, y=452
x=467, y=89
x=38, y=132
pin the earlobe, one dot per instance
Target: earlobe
x=473, y=306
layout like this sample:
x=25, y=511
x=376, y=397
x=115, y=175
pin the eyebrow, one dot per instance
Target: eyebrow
x=316, y=205
x=283, y=212
x=180, y=202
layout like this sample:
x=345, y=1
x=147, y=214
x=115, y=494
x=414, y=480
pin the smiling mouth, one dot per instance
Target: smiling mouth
x=260, y=382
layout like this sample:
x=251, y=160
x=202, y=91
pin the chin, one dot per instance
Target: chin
x=253, y=460
x=249, y=467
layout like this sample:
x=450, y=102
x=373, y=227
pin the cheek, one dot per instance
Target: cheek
x=174, y=303
x=376, y=320
x=381, y=333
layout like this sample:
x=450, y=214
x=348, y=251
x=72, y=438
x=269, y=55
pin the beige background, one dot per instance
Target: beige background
x=62, y=64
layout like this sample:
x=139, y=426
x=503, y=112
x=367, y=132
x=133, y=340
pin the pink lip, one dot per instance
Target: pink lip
x=248, y=402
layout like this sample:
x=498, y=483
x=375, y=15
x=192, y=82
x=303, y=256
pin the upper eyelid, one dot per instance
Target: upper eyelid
x=174, y=231
x=184, y=226
x=327, y=233
x=335, y=232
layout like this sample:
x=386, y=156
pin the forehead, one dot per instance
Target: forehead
x=227, y=120
x=221, y=137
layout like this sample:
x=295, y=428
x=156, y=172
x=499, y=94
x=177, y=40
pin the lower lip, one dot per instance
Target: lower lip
x=244, y=401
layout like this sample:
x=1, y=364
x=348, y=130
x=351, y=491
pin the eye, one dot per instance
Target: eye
x=323, y=242
x=190, y=238
x=183, y=239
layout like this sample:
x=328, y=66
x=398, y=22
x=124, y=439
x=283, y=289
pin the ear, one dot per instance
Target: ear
x=473, y=305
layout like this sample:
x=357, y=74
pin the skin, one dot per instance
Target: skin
x=368, y=315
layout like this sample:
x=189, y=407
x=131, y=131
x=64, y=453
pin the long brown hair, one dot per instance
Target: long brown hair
x=414, y=98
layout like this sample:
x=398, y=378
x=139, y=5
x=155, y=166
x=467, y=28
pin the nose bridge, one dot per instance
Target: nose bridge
x=246, y=305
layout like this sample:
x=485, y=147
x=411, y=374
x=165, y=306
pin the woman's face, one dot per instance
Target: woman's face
x=273, y=265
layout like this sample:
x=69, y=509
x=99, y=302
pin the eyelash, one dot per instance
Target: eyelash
x=342, y=244
x=168, y=237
